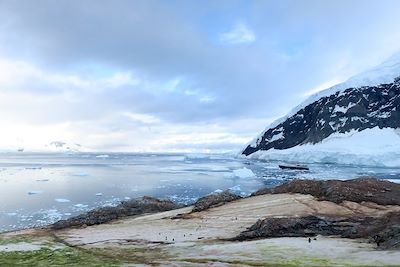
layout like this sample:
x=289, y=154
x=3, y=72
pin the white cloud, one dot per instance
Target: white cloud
x=240, y=34
x=81, y=110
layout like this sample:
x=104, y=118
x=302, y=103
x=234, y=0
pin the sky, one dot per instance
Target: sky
x=176, y=75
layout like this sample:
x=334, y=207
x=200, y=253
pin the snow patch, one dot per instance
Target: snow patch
x=276, y=137
x=343, y=109
x=21, y=247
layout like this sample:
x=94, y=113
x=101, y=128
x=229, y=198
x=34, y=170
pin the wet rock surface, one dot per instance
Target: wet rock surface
x=214, y=200
x=357, y=190
x=384, y=231
x=126, y=208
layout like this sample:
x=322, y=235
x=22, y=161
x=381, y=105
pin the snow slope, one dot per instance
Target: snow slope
x=370, y=147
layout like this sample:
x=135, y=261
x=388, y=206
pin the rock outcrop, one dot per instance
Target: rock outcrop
x=214, y=200
x=126, y=208
x=384, y=231
x=381, y=192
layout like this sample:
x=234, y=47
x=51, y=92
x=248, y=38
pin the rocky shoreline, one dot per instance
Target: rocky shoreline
x=159, y=232
x=135, y=207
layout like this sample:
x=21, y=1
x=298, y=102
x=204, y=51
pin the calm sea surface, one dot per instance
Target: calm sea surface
x=38, y=189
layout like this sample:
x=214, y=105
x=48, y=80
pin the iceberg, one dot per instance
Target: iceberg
x=102, y=156
x=243, y=173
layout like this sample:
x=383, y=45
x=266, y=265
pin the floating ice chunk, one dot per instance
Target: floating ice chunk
x=102, y=156
x=243, y=173
x=196, y=156
x=35, y=192
x=12, y=214
x=127, y=198
x=218, y=191
x=99, y=194
x=52, y=215
x=81, y=205
x=79, y=174
x=62, y=200
x=235, y=188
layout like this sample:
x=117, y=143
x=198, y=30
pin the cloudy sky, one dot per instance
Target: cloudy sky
x=175, y=75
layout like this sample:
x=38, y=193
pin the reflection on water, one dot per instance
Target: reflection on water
x=37, y=189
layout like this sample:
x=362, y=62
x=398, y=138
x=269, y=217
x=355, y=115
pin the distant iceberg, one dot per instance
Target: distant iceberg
x=102, y=156
x=79, y=174
x=196, y=156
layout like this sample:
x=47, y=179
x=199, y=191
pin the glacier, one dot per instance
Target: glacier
x=371, y=147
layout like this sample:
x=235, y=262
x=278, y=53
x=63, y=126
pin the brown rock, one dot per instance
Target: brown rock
x=214, y=200
x=126, y=208
x=357, y=190
x=384, y=231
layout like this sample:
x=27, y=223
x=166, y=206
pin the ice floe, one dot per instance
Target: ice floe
x=79, y=205
x=62, y=200
x=196, y=156
x=102, y=156
x=241, y=173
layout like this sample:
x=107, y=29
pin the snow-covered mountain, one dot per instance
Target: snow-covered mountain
x=355, y=122
x=61, y=146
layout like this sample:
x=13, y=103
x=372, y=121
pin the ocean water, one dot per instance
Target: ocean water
x=37, y=189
